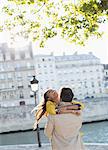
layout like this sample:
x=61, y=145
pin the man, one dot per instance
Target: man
x=63, y=129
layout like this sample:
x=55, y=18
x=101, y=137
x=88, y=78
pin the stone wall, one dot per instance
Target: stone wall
x=20, y=117
x=16, y=118
x=96, y=109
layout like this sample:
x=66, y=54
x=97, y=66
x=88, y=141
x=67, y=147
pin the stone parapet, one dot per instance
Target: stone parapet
x=20, y=118
x=91, y=146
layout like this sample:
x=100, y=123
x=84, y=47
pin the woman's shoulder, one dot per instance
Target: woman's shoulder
x=50, y=103
x=50, y=107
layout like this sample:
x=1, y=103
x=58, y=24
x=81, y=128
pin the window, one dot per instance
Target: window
x=100, y=90
x=39, y=66
x=52, y=79
x=22, y=54
x=12, y=56
x=99, y=84
x=2, y=86
x=1, y=67
x=21, y=95
x=11, y=95
x=29, y=75
x=20, y=85
x=22, y=103
x=10, y=85
x=2, y=77
x=87, y=93
x=92, y=84
x=9, y=76
x=28, y=65
x=18, y=66
x=4, y=96
x=19, y=75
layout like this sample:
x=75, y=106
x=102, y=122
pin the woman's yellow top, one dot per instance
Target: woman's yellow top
x=51, y=106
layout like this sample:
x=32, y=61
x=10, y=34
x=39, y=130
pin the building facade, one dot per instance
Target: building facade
x=106, y=77
x=16, y=70
x=82, y=72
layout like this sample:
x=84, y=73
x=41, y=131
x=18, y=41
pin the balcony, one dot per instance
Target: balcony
x=24, y=68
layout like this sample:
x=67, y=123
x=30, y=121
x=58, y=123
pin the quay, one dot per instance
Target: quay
x=89, y=146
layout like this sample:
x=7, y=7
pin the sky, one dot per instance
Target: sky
x=99, y=47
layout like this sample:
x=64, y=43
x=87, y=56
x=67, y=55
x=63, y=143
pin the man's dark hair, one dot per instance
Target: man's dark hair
x=66, y=95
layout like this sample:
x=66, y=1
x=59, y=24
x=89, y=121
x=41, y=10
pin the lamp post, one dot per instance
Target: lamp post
x=34, y=87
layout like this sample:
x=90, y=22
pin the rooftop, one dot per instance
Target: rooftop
x=77, y=57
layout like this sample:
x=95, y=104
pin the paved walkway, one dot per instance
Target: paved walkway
x=92, y=146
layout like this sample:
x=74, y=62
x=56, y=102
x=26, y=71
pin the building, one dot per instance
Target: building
x=106, y=77
x=16, y=70
x=83, y=73
x=45, y=72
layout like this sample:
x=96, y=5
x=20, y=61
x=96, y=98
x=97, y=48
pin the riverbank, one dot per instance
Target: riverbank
x=92, y=132
x=42, y=127
x=20, y=118
x=89, y=146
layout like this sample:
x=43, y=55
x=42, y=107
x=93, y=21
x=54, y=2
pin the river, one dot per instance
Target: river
x=92, y=133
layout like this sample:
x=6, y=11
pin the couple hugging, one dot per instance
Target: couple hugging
x=64, y=119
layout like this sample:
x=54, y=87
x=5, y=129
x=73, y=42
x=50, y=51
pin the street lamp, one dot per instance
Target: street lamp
x=34, y=87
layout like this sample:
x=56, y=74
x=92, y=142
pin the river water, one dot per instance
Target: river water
x=92, y=133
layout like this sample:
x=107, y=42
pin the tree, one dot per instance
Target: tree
x=40, y=20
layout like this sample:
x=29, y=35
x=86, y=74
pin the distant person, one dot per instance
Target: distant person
x=63, y=129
